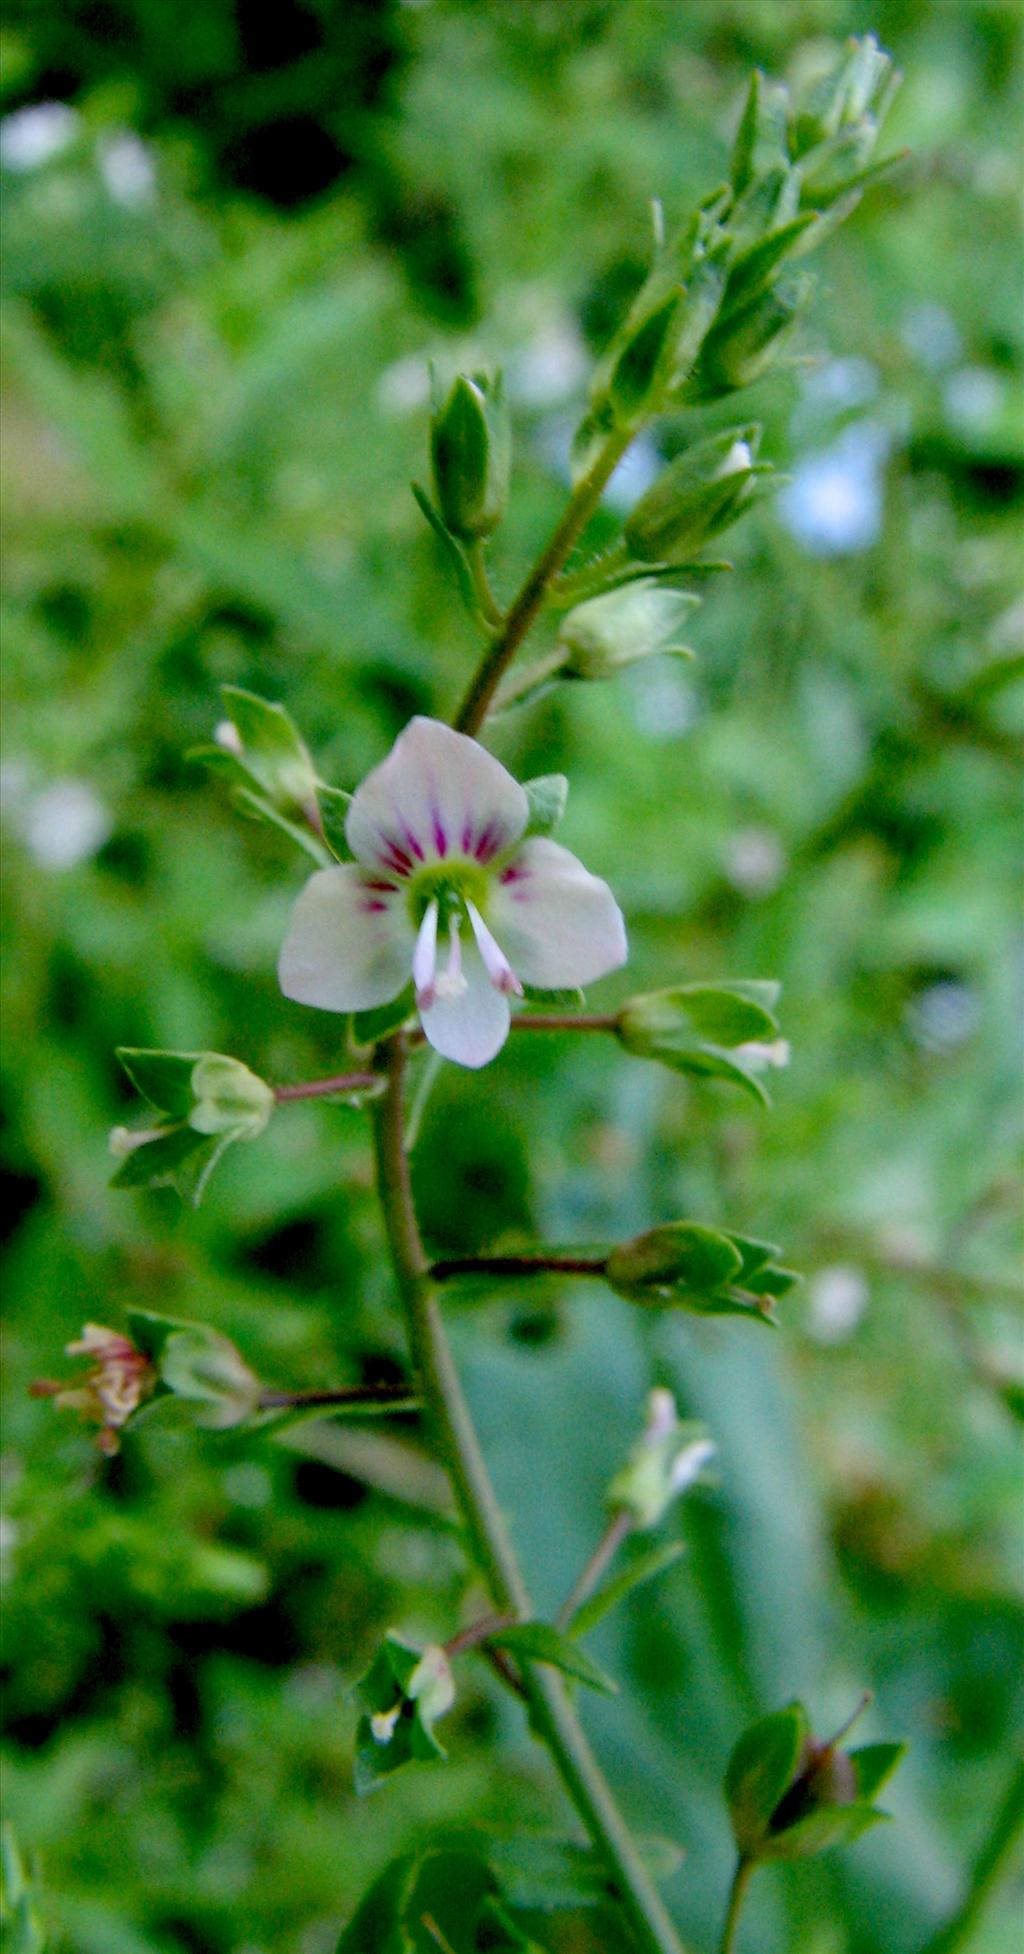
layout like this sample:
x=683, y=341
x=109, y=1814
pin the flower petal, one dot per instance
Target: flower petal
x=473, y=1026
x=557, y=924
x=438, y=794
x=349, y=944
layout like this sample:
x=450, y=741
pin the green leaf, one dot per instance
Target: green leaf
x=541, y=1642
x=365, y=1027
x=874, y=1765
x=427, y=1902
x=763, y=1764
x=645, y=1567
x=543, y=1874
x=547, y=796
x=334, y=805
x=164, y=1078
x=645, y=358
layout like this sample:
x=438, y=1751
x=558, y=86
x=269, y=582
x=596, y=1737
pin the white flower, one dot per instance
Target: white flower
x=445, y=888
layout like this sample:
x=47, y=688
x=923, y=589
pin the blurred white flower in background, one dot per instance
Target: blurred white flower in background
x=836, y=1300
x=973, y=398
x=755, y=861
x=933, y=336
x=127, y=168
x=32, y=136
x=833, y=504
x=61, y=824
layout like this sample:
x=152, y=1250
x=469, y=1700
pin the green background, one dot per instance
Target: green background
x=216, y=388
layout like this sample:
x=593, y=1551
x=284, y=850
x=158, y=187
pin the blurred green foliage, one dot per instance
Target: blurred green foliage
x=217, y=392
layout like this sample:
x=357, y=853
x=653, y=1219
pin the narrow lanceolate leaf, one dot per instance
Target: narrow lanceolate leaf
x=540, y=1642
x=645, y=1567
x=427, y=1902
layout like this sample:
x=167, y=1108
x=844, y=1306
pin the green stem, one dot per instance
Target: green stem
x=992, y=1861
x=490, y=609
x=455, y=1435
x=507, y=640
x=737, y=1895
x=618, y=1529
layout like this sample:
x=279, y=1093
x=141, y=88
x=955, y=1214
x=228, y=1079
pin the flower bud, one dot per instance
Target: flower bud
x=699, y=494
x=471, y=453
x=743, y=345
x=615, y=629
x=200, y=1364
x=667, y=1458
x=403, y=1694
x=791, y=1796
x=229, y=1098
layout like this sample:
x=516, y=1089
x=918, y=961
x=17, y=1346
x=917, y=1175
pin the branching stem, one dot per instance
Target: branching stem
x=525, y=607
x=553, y=1714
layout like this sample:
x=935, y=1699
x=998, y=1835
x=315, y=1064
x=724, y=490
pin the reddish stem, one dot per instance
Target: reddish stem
x=319, y=1088
x=518, y=1265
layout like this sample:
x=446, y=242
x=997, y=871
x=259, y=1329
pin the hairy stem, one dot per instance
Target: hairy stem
x=508, y=638
x=456, y=1440
x=737, y=1895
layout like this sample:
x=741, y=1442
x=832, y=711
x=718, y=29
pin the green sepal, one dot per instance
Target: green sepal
x=706, y=1270
x=179, y=1158
x=273, y=750
x=636, y=619
x=830, y=1825
x=366, y=1027
x=334, y=804
x=198, y=1363
x=645, y=360
x=256, y=807
x=873, y=1766
x=702, y=1028
x=557, y=1000
x=541, y=1642
x=164, y=1078
x=645, y=1567
x=761, y=139
x=547, y=796
x=764, y=1762
x=385, y=1688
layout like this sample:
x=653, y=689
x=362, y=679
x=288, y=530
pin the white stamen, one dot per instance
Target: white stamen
x=495, y=962
x=451, y=983
x=424, y=958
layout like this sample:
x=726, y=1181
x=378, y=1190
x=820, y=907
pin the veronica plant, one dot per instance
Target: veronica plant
x=442, y=910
